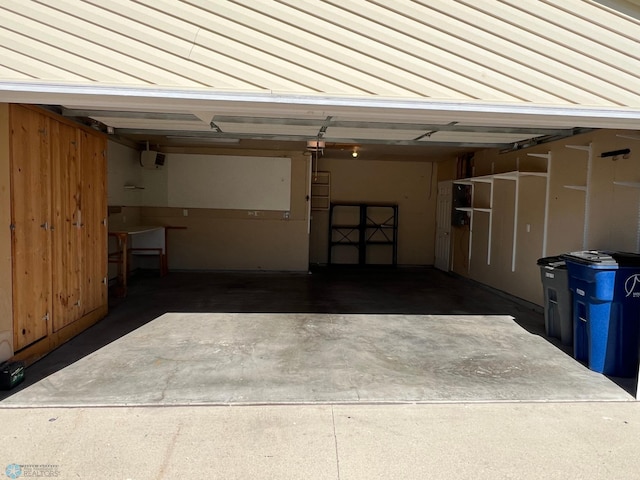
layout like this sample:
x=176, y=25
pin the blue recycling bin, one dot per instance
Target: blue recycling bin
x=606, y=310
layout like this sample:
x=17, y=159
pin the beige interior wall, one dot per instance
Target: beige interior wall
x=123, y=169
x=446, y=169
x=214, y=239
x=6, y=289
x=613, y=220
x=614, y=209
x=225, y=240
x=412, y=185
x=567, y=205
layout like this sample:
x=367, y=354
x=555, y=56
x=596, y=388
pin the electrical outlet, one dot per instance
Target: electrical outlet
x=185, y=212
x=286, y=215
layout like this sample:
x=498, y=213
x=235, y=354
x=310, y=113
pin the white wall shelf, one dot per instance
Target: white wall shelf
x=582, y=188
x=628, y=184
x=515, y=176
x=501, y=176
x=482, y=179
x=584, y=148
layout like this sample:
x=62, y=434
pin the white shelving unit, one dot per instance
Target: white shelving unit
x=509, y=176
x=472, y=209
x=584, y=188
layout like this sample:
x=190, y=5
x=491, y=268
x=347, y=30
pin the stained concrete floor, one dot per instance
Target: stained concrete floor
x=335, y=336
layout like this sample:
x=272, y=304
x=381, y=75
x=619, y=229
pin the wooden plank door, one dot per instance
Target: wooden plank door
x=66, y=233
x=93, y=214
x=30, y=182
x=443, y=226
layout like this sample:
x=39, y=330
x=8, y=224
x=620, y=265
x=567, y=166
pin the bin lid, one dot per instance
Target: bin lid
x=604, y=258
x=552, y=262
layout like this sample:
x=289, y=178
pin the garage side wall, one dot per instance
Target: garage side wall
x=592, y=204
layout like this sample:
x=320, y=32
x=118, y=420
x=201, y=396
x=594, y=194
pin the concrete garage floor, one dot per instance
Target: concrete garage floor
x=338, y=375
x=334, y=336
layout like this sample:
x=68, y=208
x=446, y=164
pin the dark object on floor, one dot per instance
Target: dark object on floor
x=11, y=374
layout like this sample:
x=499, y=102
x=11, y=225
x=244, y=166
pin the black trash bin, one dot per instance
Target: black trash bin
x=558, y=306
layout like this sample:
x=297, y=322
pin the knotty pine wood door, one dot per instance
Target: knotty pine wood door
x=31, y=208
x=67, y=231
x=94, y=221
x=59, y=232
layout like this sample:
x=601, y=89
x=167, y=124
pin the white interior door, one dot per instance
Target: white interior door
x=443, y=226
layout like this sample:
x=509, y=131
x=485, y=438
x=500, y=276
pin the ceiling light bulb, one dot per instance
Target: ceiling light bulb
x=354, y=154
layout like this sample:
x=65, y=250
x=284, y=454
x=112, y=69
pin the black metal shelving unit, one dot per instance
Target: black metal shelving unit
x=374, y=224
